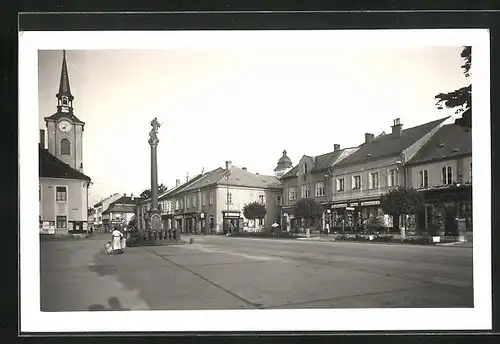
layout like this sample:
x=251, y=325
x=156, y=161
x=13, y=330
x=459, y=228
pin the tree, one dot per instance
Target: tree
x=400, y=201
x=306, y=208
x=254, y=210
x=460, y=99
x=147, y=193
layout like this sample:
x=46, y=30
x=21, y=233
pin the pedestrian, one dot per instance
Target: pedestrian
x=124, y=239
x=116, y=242
x=91, y=230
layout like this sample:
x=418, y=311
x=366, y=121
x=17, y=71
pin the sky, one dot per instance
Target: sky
x=240, y=104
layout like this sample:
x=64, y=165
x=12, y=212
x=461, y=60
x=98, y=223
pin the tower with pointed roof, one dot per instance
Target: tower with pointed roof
x=284, y=165
x=64, y=129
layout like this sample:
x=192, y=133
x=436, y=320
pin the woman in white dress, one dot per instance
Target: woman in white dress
x=116, y=242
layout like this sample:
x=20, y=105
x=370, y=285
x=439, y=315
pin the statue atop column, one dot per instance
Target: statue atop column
x=153, y=134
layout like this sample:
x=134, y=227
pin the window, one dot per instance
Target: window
x=292, y=194
x=229, y=199
x=194, y=202
x=423, y=178
x=305, y=168
x=65, y=147
x=305, y=191
x=340, y=184
x=373, y=180
x=356, y=182
x=177, y=204
x=320, y=189
x=278, y=200
x=446, y=175
x=188, y=202
x=204, y=199
x=65, y=100
x=211, y=198
x=61, y=222
x=392, y=177
x=61, y=194
x=261, y=199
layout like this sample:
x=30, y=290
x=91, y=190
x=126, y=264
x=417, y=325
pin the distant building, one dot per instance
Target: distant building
x=213, y=201
x=63, y=193
x=284, y=165
x=101, y=207
x=442, y=172
x=119, y=212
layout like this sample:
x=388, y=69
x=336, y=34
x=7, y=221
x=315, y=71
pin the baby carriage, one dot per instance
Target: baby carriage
x=107, y=249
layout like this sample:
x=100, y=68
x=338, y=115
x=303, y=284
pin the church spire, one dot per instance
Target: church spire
x=64, y=96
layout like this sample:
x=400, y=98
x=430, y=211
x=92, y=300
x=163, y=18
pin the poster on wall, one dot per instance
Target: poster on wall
x=47, y=227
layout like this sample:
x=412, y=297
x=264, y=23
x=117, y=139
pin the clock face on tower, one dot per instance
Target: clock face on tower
x=65, y=126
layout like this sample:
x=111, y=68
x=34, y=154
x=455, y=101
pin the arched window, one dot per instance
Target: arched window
x=65, y=100
x=65, y=147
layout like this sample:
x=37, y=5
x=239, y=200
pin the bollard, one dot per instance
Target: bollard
x=191, y=240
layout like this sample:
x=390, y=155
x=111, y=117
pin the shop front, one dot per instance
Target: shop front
x=232, y=221
x=448, y=208
x=345, y=216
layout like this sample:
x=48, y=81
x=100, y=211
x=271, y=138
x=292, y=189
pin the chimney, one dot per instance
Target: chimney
x=42, y=138
x=229, y=164
x=132, y=196
x=369, y=137
x=397, y=128
x=336, y=147
x=125, y=194
x=187, y=177
x=244, y=168
x=177, y=182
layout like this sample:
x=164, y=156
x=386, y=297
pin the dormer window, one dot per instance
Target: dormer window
x=305, y=168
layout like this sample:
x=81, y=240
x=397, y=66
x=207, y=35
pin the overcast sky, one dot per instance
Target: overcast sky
x=243, y=105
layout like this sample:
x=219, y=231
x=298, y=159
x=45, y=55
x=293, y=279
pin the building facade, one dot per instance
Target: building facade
x=119, y=212
x=310, y=178
x=379, y=164
x=442, y=172
x=212, y=202
x=101, y=207
x=63, y=193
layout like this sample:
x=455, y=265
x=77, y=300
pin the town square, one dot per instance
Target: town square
x=171, y=206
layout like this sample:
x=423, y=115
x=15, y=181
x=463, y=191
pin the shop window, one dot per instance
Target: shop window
x=340, y=184
x=320, y=189
x=446, y=176
x=62, y=222
x=61, y=194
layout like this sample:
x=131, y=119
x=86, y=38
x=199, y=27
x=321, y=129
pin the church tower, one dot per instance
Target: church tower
x=64, y=129
x=284, y=165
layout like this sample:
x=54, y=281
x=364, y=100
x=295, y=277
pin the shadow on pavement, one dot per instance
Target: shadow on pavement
x=114, y=305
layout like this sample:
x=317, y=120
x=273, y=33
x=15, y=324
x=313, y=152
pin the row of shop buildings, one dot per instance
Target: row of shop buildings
x=435, y=158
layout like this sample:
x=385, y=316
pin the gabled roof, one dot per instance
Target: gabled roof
x=51, y=167
x=449, y=141
x=321, y=162
x=389, y=144
x=238, y=177
x=124, y=200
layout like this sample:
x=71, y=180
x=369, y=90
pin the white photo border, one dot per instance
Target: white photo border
x=409, y=319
